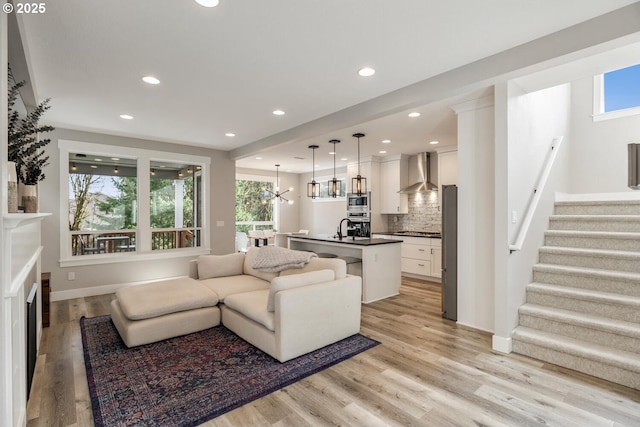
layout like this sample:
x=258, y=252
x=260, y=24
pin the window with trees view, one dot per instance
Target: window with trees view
x=175, y=205
x=251, y=212
x=120, y=204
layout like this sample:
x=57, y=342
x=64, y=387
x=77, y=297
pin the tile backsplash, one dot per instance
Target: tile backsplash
x=424, y=214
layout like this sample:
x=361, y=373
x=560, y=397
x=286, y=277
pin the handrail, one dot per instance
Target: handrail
x=537, y=194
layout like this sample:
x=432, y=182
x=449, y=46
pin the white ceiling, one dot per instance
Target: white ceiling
x=225, y=69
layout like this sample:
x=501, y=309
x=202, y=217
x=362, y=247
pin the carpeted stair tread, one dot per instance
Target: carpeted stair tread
x=584, y=294
x=615, y=357
x=600, y=323
x=599, y=253
x=597, y=202
x=603, y=218
x=583, y=271
x=595, y=234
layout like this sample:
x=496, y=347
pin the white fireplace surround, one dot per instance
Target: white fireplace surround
x=20, y=268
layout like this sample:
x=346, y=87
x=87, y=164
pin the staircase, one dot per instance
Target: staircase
x=582, y=310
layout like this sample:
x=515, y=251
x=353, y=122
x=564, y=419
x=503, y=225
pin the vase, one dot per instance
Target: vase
x=30, y=199
x=12, y=187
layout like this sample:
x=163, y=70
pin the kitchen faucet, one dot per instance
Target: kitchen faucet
x=340, y=227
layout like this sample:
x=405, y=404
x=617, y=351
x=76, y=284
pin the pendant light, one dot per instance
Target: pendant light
x=277, y=195
x=313, y=187
x=359, y=183
x=335, y=186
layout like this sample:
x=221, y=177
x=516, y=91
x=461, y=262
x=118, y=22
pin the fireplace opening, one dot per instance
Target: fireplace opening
x=32, y=332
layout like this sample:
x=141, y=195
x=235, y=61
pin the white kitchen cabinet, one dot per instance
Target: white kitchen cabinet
x=421, y=256
x=394, y=175
x=436, y=261
x=447, y=168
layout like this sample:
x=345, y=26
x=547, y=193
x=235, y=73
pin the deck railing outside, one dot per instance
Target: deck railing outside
x=113, y=241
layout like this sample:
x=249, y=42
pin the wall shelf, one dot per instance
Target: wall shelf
x=15, y=220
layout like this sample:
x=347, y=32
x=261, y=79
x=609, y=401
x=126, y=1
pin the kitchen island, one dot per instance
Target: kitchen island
x=380, y=260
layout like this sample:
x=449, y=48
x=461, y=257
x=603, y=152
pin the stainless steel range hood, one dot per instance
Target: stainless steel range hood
x=420, y=170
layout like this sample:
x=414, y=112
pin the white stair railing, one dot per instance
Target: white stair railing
x=537, y=194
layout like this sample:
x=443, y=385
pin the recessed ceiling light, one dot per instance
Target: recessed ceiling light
x=382, y=152
x=386, y=141
x=332, y=153
x=151, y=80
x=208, y=3
x=97, y=160
x=229, y=134
x=94, y=167
x=258, y=158
x=278, y=112
x=414, y=114
x=115, y=159
x=344, y=158
x=126, y=117
x=434, y=142
x=366, y=72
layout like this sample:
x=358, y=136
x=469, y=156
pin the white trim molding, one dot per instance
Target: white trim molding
x=502, y=344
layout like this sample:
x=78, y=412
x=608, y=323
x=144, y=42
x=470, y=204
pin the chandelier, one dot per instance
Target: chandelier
x=277, y=195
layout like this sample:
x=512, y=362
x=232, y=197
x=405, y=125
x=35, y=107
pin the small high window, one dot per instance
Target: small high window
x=617, y=93
x=622, y=89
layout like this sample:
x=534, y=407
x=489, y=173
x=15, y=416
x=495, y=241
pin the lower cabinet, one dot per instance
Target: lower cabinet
x=419, y=255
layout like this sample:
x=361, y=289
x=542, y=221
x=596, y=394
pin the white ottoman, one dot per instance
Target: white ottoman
x=159, y=310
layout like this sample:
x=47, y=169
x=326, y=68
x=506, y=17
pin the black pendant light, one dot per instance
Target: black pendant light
x=313, y=187
x=359, y=183
x=335, y=186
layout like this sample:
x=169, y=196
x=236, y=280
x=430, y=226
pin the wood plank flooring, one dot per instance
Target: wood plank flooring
x=427, y=372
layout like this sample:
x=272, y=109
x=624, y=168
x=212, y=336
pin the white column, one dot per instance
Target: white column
x=476, y=195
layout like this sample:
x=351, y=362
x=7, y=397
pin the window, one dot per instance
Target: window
x=253, y=211
x=102, y=204
x=130, y=204
x=617, y=93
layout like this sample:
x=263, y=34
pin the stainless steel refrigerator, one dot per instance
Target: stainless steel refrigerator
x=450, y=252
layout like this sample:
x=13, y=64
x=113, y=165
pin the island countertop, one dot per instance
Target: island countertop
x=359, y=241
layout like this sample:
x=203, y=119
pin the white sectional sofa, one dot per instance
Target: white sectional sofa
x=285, y=314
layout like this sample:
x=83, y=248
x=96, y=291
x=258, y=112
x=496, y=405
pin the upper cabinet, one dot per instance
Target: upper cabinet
x=394, y=176
x=447, y=168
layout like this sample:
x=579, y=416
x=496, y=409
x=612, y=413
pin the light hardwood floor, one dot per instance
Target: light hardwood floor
x=427, y=372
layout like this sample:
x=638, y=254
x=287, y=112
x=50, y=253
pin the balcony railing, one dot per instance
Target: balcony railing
x=106, y=242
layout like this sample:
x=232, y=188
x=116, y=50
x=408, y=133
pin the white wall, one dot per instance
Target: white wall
x=321, y=216
x=94, y=279
x=599, y=154
x=526, y=125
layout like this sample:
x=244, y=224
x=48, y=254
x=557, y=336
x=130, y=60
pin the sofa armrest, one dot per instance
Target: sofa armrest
x=313, y=316
x=193, y=269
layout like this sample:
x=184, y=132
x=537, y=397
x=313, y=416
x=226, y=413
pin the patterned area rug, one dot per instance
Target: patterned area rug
x=188, y=380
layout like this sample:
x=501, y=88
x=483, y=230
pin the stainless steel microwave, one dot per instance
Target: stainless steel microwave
x=357, y=203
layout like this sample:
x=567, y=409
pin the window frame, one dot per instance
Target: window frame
x=598, y=103
x=144, y=158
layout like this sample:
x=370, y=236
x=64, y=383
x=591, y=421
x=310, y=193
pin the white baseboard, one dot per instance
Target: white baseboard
x=502, y=344
x=99, y=290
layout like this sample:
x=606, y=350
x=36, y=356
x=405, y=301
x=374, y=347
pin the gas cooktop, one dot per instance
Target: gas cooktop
x=418, y=233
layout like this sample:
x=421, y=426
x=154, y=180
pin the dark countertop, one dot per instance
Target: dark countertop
x=409, y=234
x=348, y=240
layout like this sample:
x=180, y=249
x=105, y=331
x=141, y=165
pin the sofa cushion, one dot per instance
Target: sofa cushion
x=249, y=259
x=337, y=265
x=164, y=297
x=254, y=306
x=224, y=286
x=220, y=265
x=296, y=281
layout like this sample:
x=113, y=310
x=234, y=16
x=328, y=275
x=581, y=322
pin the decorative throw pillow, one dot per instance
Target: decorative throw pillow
x=296, y=281
x=220, y=265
